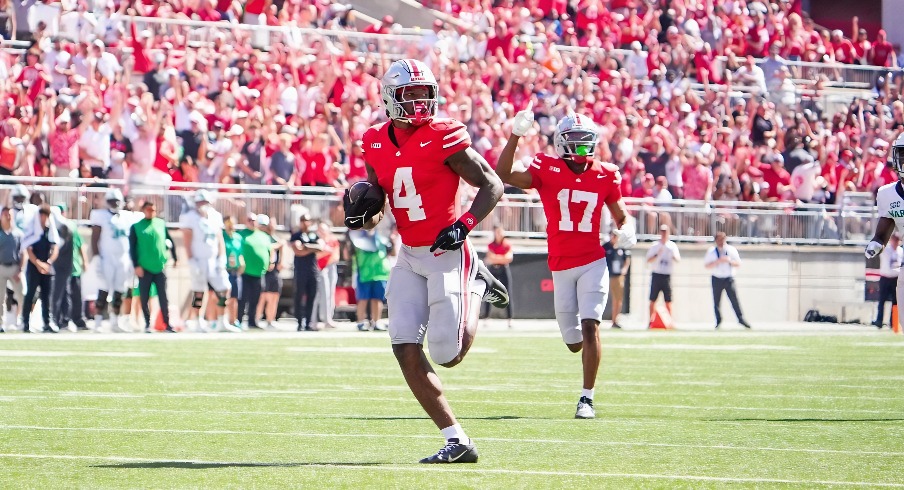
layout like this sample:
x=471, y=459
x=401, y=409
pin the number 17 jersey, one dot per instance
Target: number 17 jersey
x=573, y=204
x=422, y=189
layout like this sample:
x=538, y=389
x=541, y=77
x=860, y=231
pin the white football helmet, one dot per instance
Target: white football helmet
x=576, y=137
x=897, y=156
x=401, y=76
x=114, y=199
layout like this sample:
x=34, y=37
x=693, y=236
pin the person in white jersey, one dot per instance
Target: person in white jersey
x=662, y=256
x=110, y=245
x=722, y=260
x=23, y=216
x=889, y=270
x=890, y=201
x=202, y=232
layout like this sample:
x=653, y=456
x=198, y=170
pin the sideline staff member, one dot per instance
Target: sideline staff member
x=663, y=255
x=722, y=260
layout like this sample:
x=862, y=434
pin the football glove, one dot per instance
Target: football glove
x=451, y=237
x=627, y=236
x=359, y=213
x=873, y=249
x=523, y=121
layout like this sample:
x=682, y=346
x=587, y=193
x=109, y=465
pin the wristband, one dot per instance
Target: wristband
x=468, y=220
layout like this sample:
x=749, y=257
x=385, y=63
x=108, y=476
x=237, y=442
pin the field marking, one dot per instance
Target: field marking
x=459, y=469
x=705, y=347
x=424, y=436
x=453, y=388
x=60, y=353
x=557, y=420
x=371, y=350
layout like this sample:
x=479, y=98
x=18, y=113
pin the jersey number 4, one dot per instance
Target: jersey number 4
x=568, y=196
x=411, y=201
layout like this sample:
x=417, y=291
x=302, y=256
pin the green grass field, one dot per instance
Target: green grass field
x=797, y=408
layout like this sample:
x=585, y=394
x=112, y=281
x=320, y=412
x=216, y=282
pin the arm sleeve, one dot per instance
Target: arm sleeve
x=676, y=255
x=734, y=255
x=133, y=245
x=710, y=256
x=653, y=250
x=882, y=204
x=535, y=169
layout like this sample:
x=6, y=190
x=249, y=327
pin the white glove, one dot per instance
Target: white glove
x=873, y=249
x=627, y=236
x=523, y=121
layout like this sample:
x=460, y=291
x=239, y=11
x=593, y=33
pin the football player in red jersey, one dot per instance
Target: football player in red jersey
x=437, y=284
x=573, y=189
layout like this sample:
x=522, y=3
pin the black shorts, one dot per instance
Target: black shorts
x=661, y=283
x=272, y=282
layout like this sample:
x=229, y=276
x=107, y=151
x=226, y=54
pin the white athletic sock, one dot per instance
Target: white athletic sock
x=456, y=432
x=97, y=321
x=585, y=393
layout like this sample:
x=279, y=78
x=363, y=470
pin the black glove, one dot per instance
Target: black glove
x=360, y=212
x=451, y=237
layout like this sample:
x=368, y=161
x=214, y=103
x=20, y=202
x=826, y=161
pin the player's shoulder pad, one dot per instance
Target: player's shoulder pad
x=452, y=132
x=611, y=169
x=542, y=161
x=372, y=133
x=446, y=125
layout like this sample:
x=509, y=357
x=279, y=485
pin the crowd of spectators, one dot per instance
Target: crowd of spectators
x=687, y=111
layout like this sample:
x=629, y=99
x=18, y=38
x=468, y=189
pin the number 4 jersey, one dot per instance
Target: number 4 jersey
x=573, y=204
x=422, y=189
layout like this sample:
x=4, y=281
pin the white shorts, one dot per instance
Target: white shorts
x=427, y=289
x=207, y=274
x=580, y=294
x=116, y=274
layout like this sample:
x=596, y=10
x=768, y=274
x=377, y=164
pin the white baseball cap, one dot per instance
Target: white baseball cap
x=263, y=220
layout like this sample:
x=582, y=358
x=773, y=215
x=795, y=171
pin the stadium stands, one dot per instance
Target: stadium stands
x=733, y=107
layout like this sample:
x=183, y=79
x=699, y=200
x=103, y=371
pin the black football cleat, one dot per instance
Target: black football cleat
x=454, y=452
x=496, y=294
x=745, y=324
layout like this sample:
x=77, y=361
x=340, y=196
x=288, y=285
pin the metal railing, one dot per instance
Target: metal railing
x=203, y=33
x=849, y=223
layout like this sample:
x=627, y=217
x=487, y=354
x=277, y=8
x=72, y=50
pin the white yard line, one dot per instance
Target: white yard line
x=459, y=469
x=449, y=387
x=60, y=353
x=293, y=393
x=482, y=439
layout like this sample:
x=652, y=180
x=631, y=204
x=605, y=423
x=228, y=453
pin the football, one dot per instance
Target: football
x=364, y=199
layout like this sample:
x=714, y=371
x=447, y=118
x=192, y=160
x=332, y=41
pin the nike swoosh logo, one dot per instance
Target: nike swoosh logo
x=354, y=220
x=426, y=143
x=452, y=460
x=600, y=176
x=437, y=254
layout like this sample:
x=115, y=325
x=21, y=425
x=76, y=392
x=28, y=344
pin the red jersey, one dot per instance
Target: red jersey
x=573, y=204
x=422, y=189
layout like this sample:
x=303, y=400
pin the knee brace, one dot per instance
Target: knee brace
x=221, y=298
x=117, y=301
x=196, y=300
x=101, y=302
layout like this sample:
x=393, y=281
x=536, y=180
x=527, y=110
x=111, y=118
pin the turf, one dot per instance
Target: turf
x=675, y=410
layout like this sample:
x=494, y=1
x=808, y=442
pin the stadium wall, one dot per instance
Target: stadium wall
x=775, y=282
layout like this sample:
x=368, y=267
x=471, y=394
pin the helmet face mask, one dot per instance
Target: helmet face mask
x=576, y=138
x=410, y=92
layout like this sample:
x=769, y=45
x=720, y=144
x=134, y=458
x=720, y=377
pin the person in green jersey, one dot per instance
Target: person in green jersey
x=256, y=249
x=149, y=242
x=371, y=256
x=235, y=265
